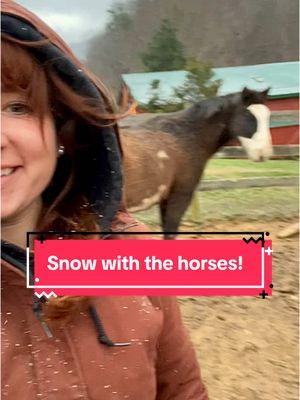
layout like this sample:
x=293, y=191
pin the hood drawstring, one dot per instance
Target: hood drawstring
x=102, y=337
x=37, y=309
x=16, y=256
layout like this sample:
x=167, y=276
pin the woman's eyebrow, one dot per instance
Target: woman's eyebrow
x=14, y=95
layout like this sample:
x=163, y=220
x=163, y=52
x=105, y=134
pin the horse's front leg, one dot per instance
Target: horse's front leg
x=172, y=210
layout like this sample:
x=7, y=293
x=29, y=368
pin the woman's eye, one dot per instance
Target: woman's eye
x=18, y=108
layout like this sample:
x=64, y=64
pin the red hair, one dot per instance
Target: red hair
x=21, y=73
x=64, y=210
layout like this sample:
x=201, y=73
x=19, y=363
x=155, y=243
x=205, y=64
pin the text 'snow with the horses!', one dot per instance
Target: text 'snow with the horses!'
x=238, y=267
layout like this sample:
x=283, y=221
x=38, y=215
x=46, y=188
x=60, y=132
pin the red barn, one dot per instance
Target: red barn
x=282, y=78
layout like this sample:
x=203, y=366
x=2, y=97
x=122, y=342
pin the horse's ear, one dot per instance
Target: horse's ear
x=265, y=93
x=254, y=97
x=247, y=96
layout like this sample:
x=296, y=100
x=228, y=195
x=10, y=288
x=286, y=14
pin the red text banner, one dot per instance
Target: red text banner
x=233, y=267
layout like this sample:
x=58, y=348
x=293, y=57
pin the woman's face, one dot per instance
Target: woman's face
x=28, y=154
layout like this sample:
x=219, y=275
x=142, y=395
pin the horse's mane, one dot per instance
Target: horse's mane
x=198, y=113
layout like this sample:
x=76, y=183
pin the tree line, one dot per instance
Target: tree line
x=212, y=32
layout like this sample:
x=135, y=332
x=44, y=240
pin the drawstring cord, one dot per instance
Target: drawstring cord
x=37, y=309
x=102, y=337
x=17, y=257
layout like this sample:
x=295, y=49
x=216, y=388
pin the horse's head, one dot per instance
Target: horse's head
x=250, y=124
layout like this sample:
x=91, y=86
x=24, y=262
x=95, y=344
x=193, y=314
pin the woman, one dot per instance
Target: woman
x=61, y=170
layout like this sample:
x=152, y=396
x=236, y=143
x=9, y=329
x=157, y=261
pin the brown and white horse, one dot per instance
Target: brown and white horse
x=165, y=155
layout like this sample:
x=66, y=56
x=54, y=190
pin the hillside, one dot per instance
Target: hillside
x=226, y=33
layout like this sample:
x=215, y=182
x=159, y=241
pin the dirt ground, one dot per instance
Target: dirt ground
x=247, y=346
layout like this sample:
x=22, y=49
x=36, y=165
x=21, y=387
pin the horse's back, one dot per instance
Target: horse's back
x=134, y=121
x=150, y=165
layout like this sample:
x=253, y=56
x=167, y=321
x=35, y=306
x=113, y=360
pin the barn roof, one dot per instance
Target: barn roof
x=283, y=78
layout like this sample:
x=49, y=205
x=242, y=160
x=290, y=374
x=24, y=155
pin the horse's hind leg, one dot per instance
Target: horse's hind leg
x=172, y=210
x=163, y=209
x=166, y=226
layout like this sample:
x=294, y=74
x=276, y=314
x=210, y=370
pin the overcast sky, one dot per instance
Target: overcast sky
x=74, y=20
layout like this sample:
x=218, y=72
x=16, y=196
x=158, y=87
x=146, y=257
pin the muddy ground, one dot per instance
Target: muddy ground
x=247, y=346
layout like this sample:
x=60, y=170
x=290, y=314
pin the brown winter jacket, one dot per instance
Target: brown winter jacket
x=159, y=363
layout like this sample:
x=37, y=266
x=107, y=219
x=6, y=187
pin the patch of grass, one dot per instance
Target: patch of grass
x=253, y=204
x=279, y=203
x=230, y=169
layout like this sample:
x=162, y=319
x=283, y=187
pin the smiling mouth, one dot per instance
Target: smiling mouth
x=7, y=171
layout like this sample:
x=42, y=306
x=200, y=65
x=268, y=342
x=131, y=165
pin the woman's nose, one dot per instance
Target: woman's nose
x=4, y=139
x=4, y=133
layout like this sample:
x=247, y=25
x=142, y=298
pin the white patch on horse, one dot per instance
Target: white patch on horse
x=162, y=155
x=259, y=147
x=150, y=201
